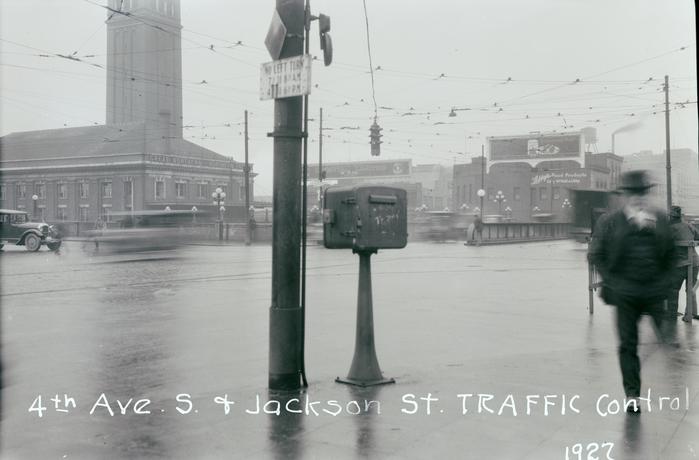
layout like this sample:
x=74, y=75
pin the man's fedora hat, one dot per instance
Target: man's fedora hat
x=635, y=182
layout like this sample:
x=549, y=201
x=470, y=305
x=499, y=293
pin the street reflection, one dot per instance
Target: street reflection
x=633, y=444
x=131, y=337
x=285, y=430
x=365, y=439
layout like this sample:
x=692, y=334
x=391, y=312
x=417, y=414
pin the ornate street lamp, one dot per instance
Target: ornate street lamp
x=218, y=197
x=566, y=204
x=194, y=214
x=508, y=212
x=35, y=198
x=481, y=194
x=500, y=199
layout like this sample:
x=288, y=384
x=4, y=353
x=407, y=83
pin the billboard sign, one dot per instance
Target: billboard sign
x=362, y=169
x=536, y=147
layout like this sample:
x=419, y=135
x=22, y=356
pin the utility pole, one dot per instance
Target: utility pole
x=482, y=177
x=247, y=185
x=320, y=148
x=320, y=161
x=667, y=144
x=285, y=326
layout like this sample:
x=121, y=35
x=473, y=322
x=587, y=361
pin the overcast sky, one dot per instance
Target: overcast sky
x=513, y=63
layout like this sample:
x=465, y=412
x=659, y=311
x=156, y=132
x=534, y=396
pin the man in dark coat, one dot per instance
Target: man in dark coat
x=683, y=232
x=633, y=249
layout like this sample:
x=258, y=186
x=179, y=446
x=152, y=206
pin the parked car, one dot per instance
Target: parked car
x=16, y=228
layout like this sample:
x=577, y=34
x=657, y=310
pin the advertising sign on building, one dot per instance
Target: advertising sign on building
x=285, y=78
x=362, y=169
x=536, y=147
x=572, y=179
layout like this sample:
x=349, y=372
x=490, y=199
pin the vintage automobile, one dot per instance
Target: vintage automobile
x=16, y=228
x=140, y=232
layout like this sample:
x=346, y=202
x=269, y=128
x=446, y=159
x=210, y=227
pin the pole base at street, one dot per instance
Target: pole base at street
x=364, y=383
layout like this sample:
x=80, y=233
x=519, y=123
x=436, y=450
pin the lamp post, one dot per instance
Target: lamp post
x=500, y=199
x=218, y=197
x=566, y=206
x=508, y=212
x=194, y=214
x=481, y=194
x=35, y=198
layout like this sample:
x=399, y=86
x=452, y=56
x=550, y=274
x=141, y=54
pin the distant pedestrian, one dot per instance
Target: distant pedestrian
x=633, y=249
x=478, y=229
x=683, y=232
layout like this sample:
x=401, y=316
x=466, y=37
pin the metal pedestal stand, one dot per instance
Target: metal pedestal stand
x=365, y=370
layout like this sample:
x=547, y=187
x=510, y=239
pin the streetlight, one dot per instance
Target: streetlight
x=566, y=206
x=500, y=199
x=508, y=212
x=218, y=197
x=35, y=197
x=481, y=194
x=194, y=214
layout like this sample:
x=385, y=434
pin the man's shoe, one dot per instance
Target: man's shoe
x=633, y=406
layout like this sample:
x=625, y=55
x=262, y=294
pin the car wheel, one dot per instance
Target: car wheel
x=32, y=242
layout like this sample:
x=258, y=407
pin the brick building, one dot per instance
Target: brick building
x=138, y=159
x=534, y=186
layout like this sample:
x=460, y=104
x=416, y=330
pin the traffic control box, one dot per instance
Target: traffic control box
x=365, y=218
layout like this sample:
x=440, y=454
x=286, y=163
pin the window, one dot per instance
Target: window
x=180, y=189
x=106, y=189
x=61, y=191
x=470, y=193
x=517, y=194
x=556, y=193
x=21, y=191
x=202, y=190
x=2, y=192
x=159, y=189
x=128, y=193
x=84, y=213
x=542, y=193
x=40, y=191
x=61, y=213
x=84, y=190
x=491, y=194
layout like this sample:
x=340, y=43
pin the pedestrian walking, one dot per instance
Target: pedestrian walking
x=683, y=232
x=477, y=229
x=633, y=250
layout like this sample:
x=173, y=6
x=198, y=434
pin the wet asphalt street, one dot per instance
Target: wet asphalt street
x=174, y=338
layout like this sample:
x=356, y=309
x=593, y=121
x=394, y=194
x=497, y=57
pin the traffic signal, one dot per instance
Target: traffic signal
x=326, y=43
x=375, y=137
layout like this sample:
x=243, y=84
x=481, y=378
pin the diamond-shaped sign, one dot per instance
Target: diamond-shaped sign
x=275, y=36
